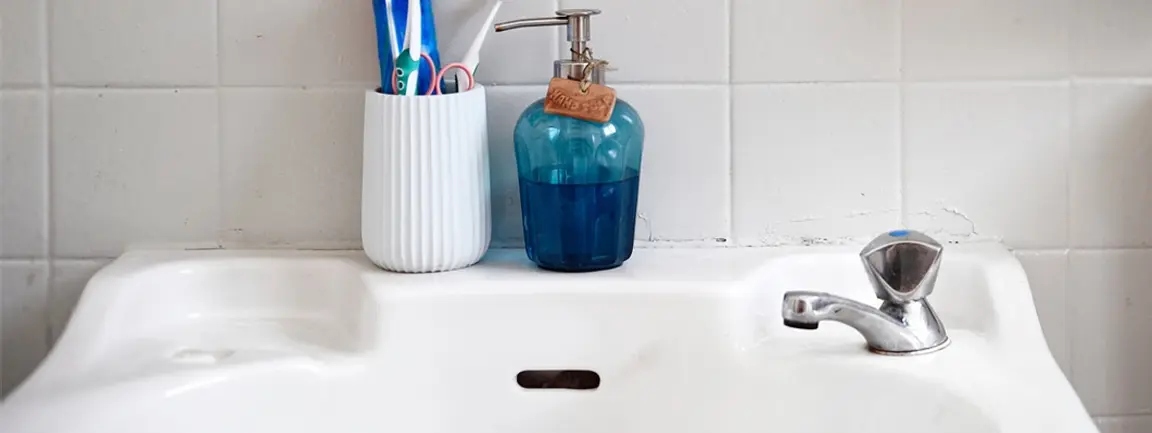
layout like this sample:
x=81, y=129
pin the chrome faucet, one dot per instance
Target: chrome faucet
x=901, y=266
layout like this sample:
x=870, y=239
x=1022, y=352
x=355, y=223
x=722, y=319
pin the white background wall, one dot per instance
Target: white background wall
x=771, y=122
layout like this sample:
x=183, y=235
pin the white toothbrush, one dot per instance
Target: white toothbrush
x=472, y=58
x=408, y=62
x=391, y=29
x=414, y=40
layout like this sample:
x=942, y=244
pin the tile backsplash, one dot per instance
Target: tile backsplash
x=236, y=123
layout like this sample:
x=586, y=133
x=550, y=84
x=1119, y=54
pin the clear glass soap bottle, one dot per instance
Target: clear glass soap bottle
x=579, y=180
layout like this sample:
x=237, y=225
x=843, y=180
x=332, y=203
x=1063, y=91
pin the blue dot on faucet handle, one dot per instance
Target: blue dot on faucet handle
x=898, y=233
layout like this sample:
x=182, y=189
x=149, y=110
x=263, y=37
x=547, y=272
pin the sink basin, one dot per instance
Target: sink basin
x=674, y=341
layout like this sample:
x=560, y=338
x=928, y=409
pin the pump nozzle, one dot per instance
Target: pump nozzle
x=530, y=22
x=579, y=22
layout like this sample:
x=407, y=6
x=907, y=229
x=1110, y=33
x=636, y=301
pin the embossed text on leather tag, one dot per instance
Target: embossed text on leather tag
x=565, y=98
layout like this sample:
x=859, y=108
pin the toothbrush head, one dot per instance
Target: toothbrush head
x=407, y=73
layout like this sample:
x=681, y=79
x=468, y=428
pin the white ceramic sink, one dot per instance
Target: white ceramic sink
x=682, y=341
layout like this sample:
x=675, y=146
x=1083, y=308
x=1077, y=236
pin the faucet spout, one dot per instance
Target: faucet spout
x=894, y=328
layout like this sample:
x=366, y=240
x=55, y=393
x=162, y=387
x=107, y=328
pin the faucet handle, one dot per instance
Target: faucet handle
x=902, y=265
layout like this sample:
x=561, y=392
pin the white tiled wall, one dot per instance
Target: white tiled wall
x=236, y=123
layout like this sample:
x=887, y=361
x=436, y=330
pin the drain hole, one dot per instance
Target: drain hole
x=558, y=379
x=201, y=356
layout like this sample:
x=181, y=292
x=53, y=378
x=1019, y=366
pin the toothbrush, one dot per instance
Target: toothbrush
x=408, y=62
x=472, y=57
x=391, y=29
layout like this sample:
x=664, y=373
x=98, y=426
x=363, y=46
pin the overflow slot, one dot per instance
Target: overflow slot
x=558, y=379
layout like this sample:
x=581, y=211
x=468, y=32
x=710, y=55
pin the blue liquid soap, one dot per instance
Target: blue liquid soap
x=579, y=175
x=579, y=227
x=579, y=185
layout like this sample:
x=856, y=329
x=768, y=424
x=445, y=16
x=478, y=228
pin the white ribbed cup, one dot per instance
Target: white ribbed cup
x=425, y=204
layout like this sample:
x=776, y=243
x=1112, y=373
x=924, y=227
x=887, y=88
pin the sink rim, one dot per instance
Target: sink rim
x=732, y=275
x=731, y=280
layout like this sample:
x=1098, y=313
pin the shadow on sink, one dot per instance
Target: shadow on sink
x=187, y=315
x=278, y=302
x=705, y=398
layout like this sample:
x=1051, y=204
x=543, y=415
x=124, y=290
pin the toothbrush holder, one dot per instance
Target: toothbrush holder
x=426, y=195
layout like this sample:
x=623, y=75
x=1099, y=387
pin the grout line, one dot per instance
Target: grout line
x=900, y=51
x=1110, y=249
x=1040, y=251
x=730, y=82
x=731, y=205
x=813, y=83
x=989, y=80
x=352, y=86
x=730, y=141
x=902, y=184
x=731, y=57
x=1120, y=416
x=15, y=87
x=23, y=91
x=220, y=188
x=1069, y=149
x=1111, y=80
x=87, y=260
x=1067, y=318
x=656, y=86
x=49, y=221
x=941, y=82
x=153, y=90
x=902, y=151
x=355, y=86
x=1069, y=38
x=25, y=261
x=1109, y=416
x=219, y=47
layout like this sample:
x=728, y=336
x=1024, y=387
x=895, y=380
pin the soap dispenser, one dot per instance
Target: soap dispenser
x=578, y=153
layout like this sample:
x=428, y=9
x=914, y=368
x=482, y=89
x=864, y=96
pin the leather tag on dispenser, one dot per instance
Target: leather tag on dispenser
x=565, y=98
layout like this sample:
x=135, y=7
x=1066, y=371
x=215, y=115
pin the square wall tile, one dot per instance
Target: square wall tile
x=1124, y=424
x=1112, y=362
x=1047, y=275
x=23, y=321
x=1112, y=37
x=1110, y=183
x=815, y=164
x=69, y=278
x=291, y=162
x=985, y=39
x=300, y=42
x=23, y=42
x=652, y=41
x=134, y=42
x=684, y=177
x=23, y=175
x=132, y=166
x=516, y=57
x=988, y=161
x=504, y=107
x=815, y=40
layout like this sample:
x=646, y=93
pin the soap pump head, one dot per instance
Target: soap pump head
x=580, y=64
